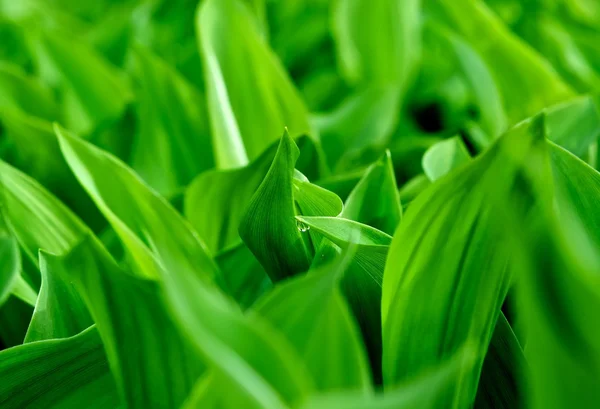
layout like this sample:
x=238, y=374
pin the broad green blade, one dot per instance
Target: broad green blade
x=344, y=232
x=216, y=390
x=10, y=264
x=268, y=226
x=378, y=43
x=311, y=311
x=445, y=156
x=575, y=124
x=155, y=365
x=446, y=274
x=143, y=220
x=216, y=200
x=24, y=93
x=502, y=383
x=560, y=297
x=537, y=86
x=250, y=105
x=40, y=221
x=172, y=143
x=67, y=373
x=93, y=92
x=250, y=352
x=378, y=181
x=424, y=392
x=23, y=291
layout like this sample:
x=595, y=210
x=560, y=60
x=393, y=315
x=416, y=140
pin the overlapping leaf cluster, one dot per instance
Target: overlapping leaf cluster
x=299, y=204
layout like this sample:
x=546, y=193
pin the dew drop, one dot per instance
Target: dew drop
x=302, y=227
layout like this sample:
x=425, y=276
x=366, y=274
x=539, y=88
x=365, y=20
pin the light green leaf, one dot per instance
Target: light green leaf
x=252, y=104
x=378, y=43
x=59, y=373
x=424, y=264
x=311, y=312
x=172, y=144
x=378, y=181
x=444, y=157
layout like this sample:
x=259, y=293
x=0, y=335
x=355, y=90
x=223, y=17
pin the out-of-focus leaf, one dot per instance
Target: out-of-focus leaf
x=23, y=291
x=445, y=156
x=378, y=42
x=311, y=311
x=10, y=263
x=24, y=93
x=356, y=131
x=413, y=188
x=215, y=390
x=251, y=105
x=36, y=153
x=577, y=189
x=92, y=91
x=537, y=86
x=426, y=391
x=575, y=124
x=378, y=181
x=58, y=373
x=40, y=221
x=254, y=356
x=268, y=226
x=504, y=368
x=123, y=304
x=172, y=143
x=558, y=266
x=424, y=264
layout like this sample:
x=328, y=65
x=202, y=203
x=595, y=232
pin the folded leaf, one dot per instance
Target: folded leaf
x=268, y=227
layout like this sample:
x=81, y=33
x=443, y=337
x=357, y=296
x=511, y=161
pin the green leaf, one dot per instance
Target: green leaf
x=502, y=378
x=268, y=226
x=575, y=124
x=361, y=282
x=93, y=92
x=15, y=315
x=251, y=105
x=444, y=157
x=123, y=304
x=40, y=221
x=378, y=181
x=172, y=144
x=59, y=373
x=311, y=312
x=537, y=86
x=427, y=391
x=378, y=43
x=216, y=200
x=24, y=93
x=251, y=353
x=10, y=263
x=447, y=239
